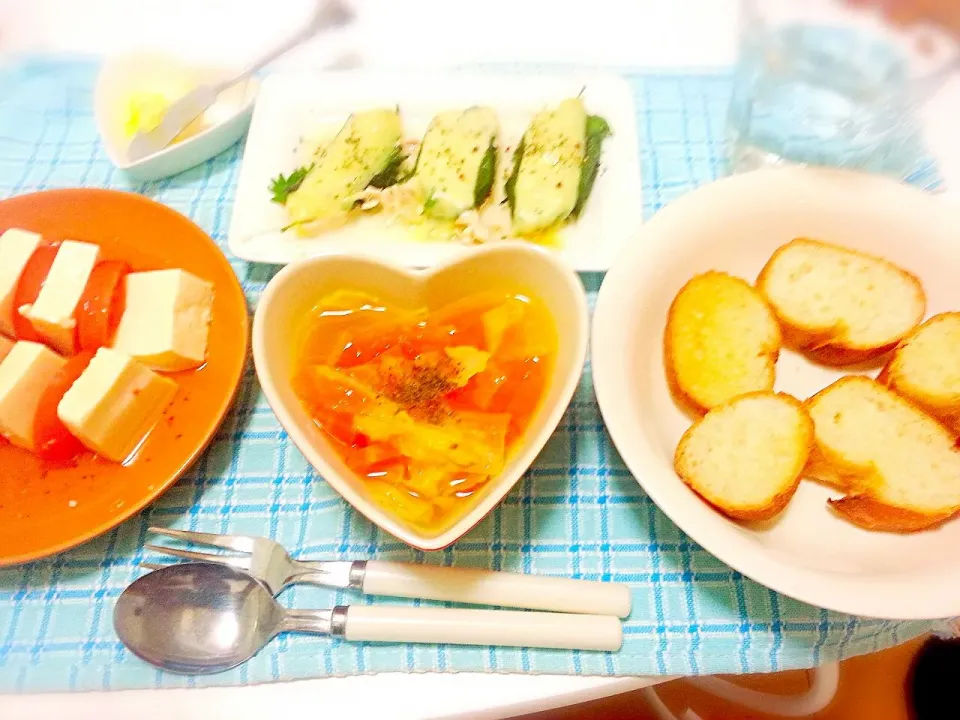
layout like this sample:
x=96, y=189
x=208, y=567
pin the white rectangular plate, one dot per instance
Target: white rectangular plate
x=291, y=106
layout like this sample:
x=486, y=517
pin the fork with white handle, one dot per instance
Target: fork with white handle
x=269, y=562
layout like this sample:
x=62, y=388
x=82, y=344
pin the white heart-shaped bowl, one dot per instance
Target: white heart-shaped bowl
x=227, y=119
x=517, y=267
x=734, y=225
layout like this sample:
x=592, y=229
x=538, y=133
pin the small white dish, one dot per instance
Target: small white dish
x=735, y=225
x=223, y=124
x=293, y=106
x=294, y=292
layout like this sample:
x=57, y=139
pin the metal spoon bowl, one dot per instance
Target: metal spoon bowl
x=199, y=618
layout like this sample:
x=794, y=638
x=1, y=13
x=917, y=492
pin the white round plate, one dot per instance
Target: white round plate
x=735, y=225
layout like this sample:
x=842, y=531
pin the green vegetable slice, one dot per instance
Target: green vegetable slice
x=597, y=131
x=510, y=186
x=390, y=175
x=486, y=174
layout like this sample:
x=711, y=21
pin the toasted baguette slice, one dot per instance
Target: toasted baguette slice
x=722, y=340
x=840, y=306
x=899, y=467
x=745, y=457
x=925, y=368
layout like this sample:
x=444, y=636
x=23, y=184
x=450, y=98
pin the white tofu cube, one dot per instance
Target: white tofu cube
x=16, y=247
x=114, y=404
x=25, y=373
x=166, y=320
x=53, y=314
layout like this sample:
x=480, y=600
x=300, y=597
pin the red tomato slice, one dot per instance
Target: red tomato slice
x=462, y=320
x=326, y=390
x=101, y=304
x=54, y=442
x=372, y=458
x=422, y=339
x=520, y=395
x=339, y=426
x=368, y=345
x=410, y=336
x=28, y=289
x=482, y=388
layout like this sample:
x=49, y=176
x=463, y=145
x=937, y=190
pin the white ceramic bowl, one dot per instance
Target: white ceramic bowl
x=227, y=119
x=735, y=225
x=294, y=292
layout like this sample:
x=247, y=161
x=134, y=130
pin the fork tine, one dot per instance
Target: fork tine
x=240, y=543
x=241, y=563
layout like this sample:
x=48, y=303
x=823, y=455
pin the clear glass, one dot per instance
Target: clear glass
x=819, y=82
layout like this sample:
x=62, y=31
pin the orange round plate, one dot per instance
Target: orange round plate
x=46, y=510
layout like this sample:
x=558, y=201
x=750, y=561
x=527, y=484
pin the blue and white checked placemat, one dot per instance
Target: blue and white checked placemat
x=577, y=513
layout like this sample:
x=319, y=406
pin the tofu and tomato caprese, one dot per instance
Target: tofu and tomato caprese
x=85, y=344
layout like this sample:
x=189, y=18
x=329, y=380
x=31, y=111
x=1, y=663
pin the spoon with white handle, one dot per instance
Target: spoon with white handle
x=327, y=13
x=200, y=618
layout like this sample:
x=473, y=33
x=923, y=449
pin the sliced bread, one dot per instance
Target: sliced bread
x=899, y=468
x=721, y=341
x=839, y=305
x=745, y=458
x=925, y=368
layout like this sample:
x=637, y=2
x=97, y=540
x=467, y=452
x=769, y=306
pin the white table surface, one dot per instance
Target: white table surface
x=696, y=34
